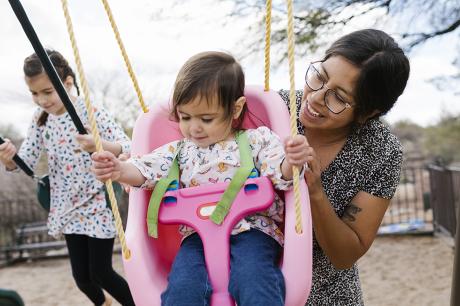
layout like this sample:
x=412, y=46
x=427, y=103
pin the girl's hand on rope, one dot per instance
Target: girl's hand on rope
x=7, y=152
x=106, y=166
x=86, y=142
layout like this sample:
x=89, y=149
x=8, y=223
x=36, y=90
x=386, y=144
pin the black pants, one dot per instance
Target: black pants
x=91, y=262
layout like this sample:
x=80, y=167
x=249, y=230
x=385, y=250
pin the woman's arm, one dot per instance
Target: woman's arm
x=344, y=240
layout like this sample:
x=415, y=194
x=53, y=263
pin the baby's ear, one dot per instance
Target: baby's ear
x=238, y=108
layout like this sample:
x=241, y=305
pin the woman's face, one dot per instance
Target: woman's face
x=339, y=77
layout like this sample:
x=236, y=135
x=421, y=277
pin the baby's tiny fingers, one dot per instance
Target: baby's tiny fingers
x=297, y=155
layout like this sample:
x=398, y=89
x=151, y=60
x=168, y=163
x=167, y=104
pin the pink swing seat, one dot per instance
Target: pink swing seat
x=150, y=262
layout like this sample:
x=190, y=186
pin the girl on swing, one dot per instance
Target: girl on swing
x=78, y=208
x=209, y=104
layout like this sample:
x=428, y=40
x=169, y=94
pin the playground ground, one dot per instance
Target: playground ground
x=403, y=271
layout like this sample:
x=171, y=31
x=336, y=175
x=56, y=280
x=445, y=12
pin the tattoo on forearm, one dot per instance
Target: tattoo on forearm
x=350, y=212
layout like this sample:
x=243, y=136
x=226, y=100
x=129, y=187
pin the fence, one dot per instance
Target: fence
x=445, y=198
x=16, y=212
x=23, y=231
x=410, y=210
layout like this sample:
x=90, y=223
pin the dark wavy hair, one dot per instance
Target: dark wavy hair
x=33, y=67
x=384, y=69
x=206, y=75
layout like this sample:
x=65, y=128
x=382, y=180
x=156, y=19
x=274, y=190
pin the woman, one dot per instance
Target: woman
x=354, y=159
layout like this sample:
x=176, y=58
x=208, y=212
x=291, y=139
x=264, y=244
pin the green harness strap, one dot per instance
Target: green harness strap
x=238, y=180
x=157, y=195
x=223, y=207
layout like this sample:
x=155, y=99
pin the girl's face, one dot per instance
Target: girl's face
x=205, y=123
x=44, y=94
x=340, y=76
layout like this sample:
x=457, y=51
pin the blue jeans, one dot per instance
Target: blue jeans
x=255, y=277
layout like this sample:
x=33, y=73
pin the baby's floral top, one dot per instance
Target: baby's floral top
x=218, y=163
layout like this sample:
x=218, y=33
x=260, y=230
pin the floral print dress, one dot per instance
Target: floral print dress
x=78, y=204
x=218, y=163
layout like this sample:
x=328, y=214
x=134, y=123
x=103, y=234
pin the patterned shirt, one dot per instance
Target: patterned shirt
x=78, y=203
x=218, y=163
x=370, y=161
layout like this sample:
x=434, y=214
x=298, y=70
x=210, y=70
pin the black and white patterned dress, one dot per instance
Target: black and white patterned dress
x=370, y=161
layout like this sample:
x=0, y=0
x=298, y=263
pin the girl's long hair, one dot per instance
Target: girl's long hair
x=33, y=67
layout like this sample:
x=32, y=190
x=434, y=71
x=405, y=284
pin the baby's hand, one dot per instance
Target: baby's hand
x=296, y=149
x=7, y=152
x=86, y=142
x=106, y=166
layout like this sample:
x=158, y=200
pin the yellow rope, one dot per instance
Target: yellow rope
x=94, y=129
x=125, y=56
x=293, y=107
x=268, y=23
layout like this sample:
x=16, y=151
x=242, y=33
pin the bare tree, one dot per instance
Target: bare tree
x=315, y=21
x=443, y=82
x=422, y=19
x=113, y=90
x=9, y=131
x=441, y=140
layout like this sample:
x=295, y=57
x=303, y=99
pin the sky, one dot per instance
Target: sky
x=159, y=40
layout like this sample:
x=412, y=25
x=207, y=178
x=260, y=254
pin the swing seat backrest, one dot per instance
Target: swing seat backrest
x=148, y=267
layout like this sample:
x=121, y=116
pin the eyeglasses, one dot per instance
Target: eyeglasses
x=316, y=81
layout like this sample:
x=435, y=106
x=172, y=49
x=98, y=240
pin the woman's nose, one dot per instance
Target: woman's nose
x=318, y=96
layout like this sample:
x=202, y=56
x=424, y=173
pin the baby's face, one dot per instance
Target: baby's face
x=203, y=122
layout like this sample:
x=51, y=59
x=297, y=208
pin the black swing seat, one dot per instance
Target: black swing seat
x=10, y=298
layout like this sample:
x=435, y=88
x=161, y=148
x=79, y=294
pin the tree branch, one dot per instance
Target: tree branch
x=422, y=37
